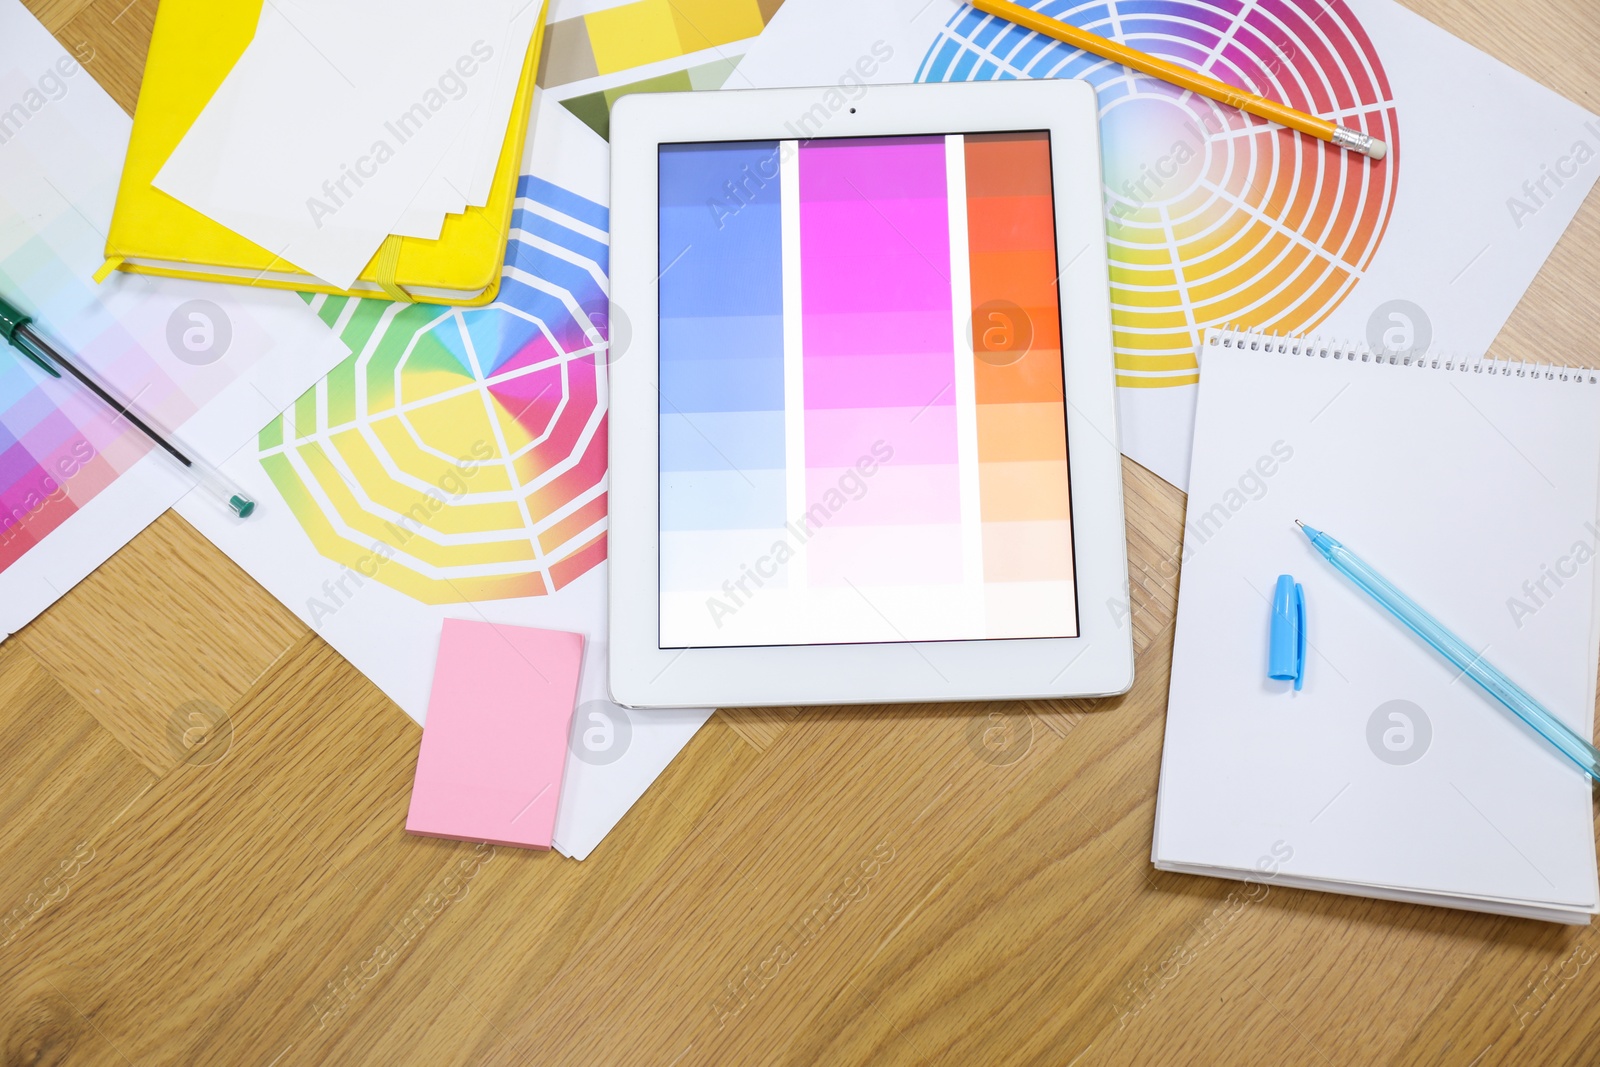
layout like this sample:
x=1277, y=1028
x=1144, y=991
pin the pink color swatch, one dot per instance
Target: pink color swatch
x=879, y=358
x=495, y=741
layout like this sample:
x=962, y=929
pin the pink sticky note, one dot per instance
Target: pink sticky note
x=495, y=741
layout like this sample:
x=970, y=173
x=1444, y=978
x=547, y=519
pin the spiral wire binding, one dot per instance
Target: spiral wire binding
x=1316, y=347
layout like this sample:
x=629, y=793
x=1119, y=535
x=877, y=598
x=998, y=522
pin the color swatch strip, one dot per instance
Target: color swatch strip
x=879, y=357
x=59, y=446
x=594, y=109
x=1022, y=442
x=721, y=344
x=54, y=457
x=648, y=46
x=643, y=32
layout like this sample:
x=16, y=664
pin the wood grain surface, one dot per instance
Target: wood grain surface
x=203, y=860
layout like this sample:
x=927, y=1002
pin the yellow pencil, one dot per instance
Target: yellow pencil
x=1191, y=80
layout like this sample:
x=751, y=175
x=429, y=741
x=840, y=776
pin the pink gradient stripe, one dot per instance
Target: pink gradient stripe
x=885, y=555
x=848, y=437
x=873, y=380
x=925, y=494
x=875, y=237
x=849, y=333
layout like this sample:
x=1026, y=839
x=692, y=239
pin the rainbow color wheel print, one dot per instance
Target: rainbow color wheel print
x=460, y=455
x=1213, y=216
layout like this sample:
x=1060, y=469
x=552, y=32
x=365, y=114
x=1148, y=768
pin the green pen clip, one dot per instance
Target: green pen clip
x=12, y=327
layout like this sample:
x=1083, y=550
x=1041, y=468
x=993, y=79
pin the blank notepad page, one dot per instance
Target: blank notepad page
x=1474, y=489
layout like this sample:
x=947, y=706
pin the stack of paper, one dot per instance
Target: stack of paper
x=1473, y=487
x=346, y=121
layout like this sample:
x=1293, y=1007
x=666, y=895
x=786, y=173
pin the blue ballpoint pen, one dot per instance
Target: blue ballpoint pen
x=1457, y=651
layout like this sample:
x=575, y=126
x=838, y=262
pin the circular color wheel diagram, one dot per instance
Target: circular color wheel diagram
x=1213, y=216
x=460, y=455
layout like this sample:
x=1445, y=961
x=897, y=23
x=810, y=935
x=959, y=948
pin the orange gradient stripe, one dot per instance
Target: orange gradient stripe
x=1022, y=433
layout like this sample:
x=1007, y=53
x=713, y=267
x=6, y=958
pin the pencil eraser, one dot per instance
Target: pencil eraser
x=1379, y=149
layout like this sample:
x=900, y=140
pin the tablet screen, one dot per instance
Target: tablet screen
x=863, y=432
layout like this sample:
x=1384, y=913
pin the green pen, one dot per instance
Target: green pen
x=17, y=328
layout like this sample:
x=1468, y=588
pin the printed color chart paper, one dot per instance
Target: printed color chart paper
x=502, y=410
x=1264, y=223
x=454, y=467
x=1215, y=217
x=842, y=458
x=210, y=363
x=597, y=52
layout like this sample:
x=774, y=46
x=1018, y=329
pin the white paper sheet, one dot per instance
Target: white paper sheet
x=1487, y=169
x=491, y=120
x=338, y=126
x=211, y=362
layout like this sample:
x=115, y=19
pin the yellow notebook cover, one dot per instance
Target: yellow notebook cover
x=194, y=46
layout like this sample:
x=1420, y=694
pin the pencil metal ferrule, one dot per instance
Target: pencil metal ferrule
x=1357, y=141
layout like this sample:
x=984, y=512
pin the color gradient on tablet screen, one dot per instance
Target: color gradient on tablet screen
x=863, y=430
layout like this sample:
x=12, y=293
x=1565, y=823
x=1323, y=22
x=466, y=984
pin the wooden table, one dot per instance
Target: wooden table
x=861, y=885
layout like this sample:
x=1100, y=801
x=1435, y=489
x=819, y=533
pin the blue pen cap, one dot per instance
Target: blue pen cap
x=1286, y=653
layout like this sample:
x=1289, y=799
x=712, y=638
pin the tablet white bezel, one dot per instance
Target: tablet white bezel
x=1097, y=662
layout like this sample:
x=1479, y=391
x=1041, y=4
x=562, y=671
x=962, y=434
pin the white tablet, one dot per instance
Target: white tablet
x=864, y=435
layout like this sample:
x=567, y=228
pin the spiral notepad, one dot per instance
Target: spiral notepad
x=1474, y=484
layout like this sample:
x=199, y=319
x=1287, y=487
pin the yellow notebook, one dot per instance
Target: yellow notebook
x=195, y=45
